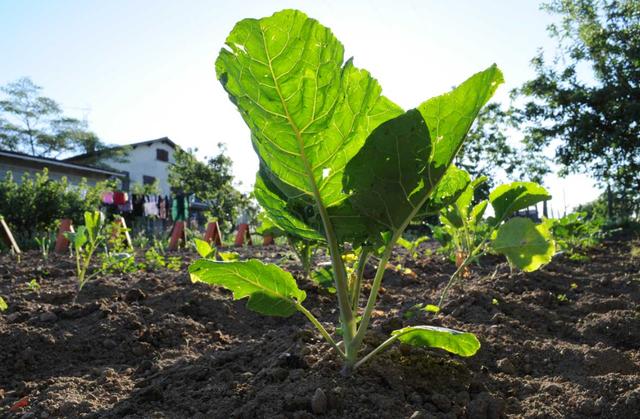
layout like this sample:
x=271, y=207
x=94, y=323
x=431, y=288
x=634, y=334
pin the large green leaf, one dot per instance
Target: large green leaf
x=279, y=214
x=271, y=290
x=268, y=227
x=449, y=116
x=511, y=197
x=405, y=158
x=386, y=179
x=454, y=341
x=454, y=183
x=308, y=111
x=93, y=221
x=204, y=248
x=525, y=244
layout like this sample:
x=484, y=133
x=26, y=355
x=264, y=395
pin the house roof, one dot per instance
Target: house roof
x=164, y=140
x=31, y=161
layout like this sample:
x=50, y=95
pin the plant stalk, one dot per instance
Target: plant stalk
x=320, y=328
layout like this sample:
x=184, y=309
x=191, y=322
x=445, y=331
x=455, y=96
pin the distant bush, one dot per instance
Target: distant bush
x=34, y=205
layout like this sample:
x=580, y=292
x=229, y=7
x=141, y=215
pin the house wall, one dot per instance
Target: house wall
x=142, y=162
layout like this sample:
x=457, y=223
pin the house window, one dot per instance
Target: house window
x=148, y=180
x=162, y=155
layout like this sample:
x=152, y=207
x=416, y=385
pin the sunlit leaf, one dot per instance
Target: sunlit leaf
x=511, y=197
x=454, y=341
x=271, y=290
x=525, y=244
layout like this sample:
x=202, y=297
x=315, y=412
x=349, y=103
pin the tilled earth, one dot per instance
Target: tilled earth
x=560, y=342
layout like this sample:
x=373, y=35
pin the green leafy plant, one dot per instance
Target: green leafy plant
x=576, y=233
x=3, y=305
x=118, y=256
x=85, y=241
x=340, y=163
x=412, y=246
x=34, y=286
x=154, y=260
x=174, y=263
x=44, y=244
x=525, y=244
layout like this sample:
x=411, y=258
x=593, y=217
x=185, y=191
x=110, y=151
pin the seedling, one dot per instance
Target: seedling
x=85, y=241
x=44, y=244
x=576, y=233
x=526, y=245
x=34, y=286
x=340, y=164
x=3, y=305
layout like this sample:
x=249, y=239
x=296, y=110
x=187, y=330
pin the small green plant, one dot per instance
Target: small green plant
x=153, y=260
x=85, y=241
x=3, y=305
x=44, y=244
x=562, y=298
x=342, y=165
x=34, y=286
x=412, y=246
x=525, y=244
x=117, y=257
x=174, y=263
x=576, y=233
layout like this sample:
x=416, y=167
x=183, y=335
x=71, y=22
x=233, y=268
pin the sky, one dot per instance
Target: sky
x=139, y=70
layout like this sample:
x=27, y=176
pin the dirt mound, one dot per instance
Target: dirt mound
x=561, y=342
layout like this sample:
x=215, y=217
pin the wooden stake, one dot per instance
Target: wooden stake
x=243, y=233
x=62, y=243
x=7, y=237
x=212, y=235
x=177, y=235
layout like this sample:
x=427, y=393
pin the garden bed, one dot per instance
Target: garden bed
x=560, y=342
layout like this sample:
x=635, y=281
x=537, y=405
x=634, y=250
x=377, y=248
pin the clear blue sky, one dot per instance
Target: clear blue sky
x=139, y=70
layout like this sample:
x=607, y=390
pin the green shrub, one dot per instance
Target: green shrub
x=35, y=204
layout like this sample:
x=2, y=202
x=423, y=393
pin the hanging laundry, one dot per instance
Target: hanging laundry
x=120, y=198
x=107, y=198
x=180, y=208
x=150, y=206
x=126, y=207
x=162, y=208
x=138, y=205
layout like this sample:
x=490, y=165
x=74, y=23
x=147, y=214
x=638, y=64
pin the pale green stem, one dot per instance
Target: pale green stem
x=357, y=287
x=375, y=287
x=321, y=329
x=377, y=350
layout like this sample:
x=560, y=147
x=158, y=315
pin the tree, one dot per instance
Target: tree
x=35, y=125
x=211, y=182
x=587, y=100
x=488, y=152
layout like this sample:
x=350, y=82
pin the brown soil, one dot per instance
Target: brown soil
x=151, y=344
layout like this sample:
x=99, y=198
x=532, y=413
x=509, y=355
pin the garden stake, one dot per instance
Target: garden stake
x=177, y=235
x=62, y=243
x=7, y=237
x=212, y=235
x=243, y=232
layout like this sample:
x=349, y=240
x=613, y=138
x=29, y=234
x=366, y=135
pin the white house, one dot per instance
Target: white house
x=147, y=161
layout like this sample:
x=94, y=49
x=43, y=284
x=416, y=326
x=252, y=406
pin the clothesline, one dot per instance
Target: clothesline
x=173, y=208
